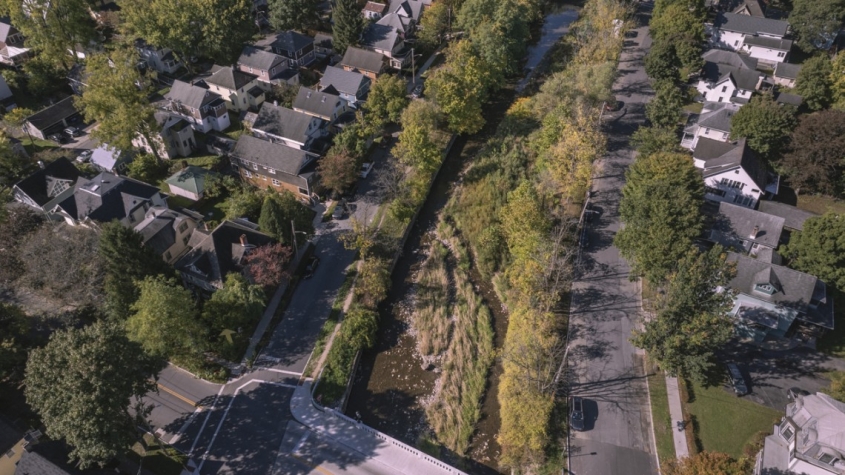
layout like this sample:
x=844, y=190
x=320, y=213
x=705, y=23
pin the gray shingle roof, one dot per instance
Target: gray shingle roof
x=718, y=117
x=347, y=82
x=734, y=224
x=364, y=60
x=190, y=95
x=6, y=29
x=380, y=37
x=107, y=197
x=230, y=78
x=39, y=186
x=279, y=157
x=708, y=149
x=259, y=59
x=793, y=217
x=742, y=78
x=730, y=58
x=159, y=228
x=283, y=122
x=766, y=42
x=738, y=156
x=316, y=103
x=53, y=114
x=751, y=25
x=787, y=70
x=291, y=41
x=396, y=21
x=409, y=8
x=784, y=98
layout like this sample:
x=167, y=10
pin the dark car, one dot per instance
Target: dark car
x=313, y=261
x=737, y=381
x=417, y=92
x=576, y=413
x=339, y=209
x=60, y=139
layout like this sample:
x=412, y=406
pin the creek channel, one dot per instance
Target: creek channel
x=391, y=383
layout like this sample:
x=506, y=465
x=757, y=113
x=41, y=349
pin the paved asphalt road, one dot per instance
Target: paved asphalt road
x=605, y=368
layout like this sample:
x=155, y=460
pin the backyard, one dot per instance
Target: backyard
x=724, y=422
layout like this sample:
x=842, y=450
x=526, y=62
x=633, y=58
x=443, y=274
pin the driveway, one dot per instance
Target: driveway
x=604, y=367
x=84, y=141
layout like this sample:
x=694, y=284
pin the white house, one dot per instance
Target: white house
x=732, y=172
x=730, y=30
x=747, y=231
x=767, y=50
x=282, y=125
x=203, y=109
x=728, y=77
x=786, y=73
x=320, y=104
x=160, y=59
x=714, y=123
x=175, y=137
x=810, y=439
x=350, y=85
x=388, y=41
x=109, y=160
x=240, y=90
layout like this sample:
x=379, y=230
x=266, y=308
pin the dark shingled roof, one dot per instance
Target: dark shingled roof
x=277, y=156
x=734, y=224
x=738, y=156
x=381, y=37
x=347, y=82
x=320, y=104
x=793, y=217
x=259, y=59
x=190, y=95
x=751, y=25
x=743, y=78
x=41, y=185
x=159, y=228
x=362, y=59
x=730, y=58
x=283, y=122
x=718, y=116
x=49, y=457
x=784, y=98
x=793, y=289
x=767, y=42
x=230, y=78
x=107, y=197
x=214, y=255
x=291, y=41
x=54, y=114
x=787, y=70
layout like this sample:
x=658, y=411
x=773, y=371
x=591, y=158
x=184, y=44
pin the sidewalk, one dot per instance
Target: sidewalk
x=677, y=414
x=362, y=439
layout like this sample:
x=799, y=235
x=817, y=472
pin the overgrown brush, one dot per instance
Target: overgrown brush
x=431, y=320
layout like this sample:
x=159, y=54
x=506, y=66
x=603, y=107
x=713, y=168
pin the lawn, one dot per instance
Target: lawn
x=35, y=145
x=694, y=108
x=660, y=416
x=158, y=459
x=821, y=204
x=212, y=209
x=725, y=422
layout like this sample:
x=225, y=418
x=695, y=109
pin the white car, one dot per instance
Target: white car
x=366, y=169
x=84, y=156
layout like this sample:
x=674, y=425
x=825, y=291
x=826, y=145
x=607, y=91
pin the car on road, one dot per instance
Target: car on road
x=84, y=156
x=417, y=92
x=365, y=169
x=737, y=380
x=339, y=209
x=58, y=138
x=72, y=132
x=313, y=262
x=576, y=413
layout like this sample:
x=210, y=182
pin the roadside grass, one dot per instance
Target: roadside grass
x=725, y=422
x=34, y=145
x=821, y=204
x=156, y=457
x=833, y=341
x=431, y=313
x=661, y=419
x=332, y=320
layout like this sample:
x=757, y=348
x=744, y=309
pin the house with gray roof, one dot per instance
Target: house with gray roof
x=52, y=119
x=174, y=138
x=369, y=63
x=388, y=41
x=786, y=73
x=401, y=23
x=773, y=302
x=12, y=50
x=108, y=197
x=350, y=85
x=733, y=173
x=110, y=160
x=752, y=8
x=732, y=31
x=282, y=125
x=298, y=48
x=47, y=186
x=411, y=9
x=189, y=182
x=728, y=77
x=809, y=439
x=167, y=232
x=202, y=108
x=746, y=231
x=323, y=45
x=240, y=90
x=714, y=122
x=769, y=51
x=214, y=255
x=793, y=218
x=320, y=104
x=158, y=59
x=264, y=164
x=270, y=68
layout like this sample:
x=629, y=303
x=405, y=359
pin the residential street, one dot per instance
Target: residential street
x=605, y=369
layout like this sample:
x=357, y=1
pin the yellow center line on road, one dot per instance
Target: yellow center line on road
x=309, y=464
x=177, y=395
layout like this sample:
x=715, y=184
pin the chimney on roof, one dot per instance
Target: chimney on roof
x=754, y=232
x=243, y=240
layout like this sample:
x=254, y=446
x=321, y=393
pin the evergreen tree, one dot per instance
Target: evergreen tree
x=293, y=14
x=348, y=25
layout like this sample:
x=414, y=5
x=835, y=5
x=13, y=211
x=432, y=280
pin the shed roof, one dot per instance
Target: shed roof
x=190, y=178
x=53, y=114
x=787, y=70
x=794, y=218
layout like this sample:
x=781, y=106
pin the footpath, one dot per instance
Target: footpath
x=677, y=414
x=363, y=439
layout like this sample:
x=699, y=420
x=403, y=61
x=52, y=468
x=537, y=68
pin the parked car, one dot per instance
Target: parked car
x=339, y=210
x=737, y=380
x=58, y=138
x=313, y=261
x=793, y=392
x=417, y=92
x=84, y=156
x=365, y=169
x=73, y=132
x=576, y=413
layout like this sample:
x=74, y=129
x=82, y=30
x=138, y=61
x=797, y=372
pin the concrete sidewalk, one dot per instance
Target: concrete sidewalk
x=676, y=414
x=363, y=439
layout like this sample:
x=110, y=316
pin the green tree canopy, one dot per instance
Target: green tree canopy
x=293, y=14
x=416, y=149
x=434, y=24
x=244, y=201
x=662, y=63
x=387, y=99
x=815, y=160
x=682, y=28
x=837, y=81
x=236, y=306
x=147, y=168
x=277, y=212
x=13, y=166
x=664, y=110
x=819, y=249
x=837, y=385
x=338, y=170
x=650, y=140
x=660, y=207
x=14, y=337
x=765, y=124
x=814, y=82
x=816, y=22
x=81, y=385
x=164, y=320
x=692, y=320
x=348, y=25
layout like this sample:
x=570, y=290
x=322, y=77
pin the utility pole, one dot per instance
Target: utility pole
x=293, y=235
x=413, y=68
